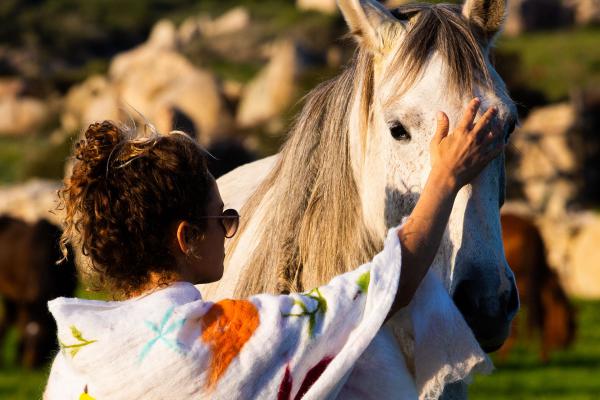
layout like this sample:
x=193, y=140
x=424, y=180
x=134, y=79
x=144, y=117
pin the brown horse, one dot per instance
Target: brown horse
x=549, y=312
x=28, y=279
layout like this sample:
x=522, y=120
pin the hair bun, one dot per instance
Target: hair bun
x=94, y=151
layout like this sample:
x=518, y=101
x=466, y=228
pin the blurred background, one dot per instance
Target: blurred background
x=232, y=73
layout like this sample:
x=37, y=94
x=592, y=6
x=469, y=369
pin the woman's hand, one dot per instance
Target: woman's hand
x=461, y=155
x=456, y=159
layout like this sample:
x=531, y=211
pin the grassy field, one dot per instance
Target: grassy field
x=571, y=375
x=22, y=158
x=530, y=60
x=555, y=63
x=16, y=383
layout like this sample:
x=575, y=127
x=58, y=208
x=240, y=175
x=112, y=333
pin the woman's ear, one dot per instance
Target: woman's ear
x=183, y=237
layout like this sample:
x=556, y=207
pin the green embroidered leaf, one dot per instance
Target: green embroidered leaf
x=301, y=305
x=76, y=333
x=311, y=325
x=73, y=349
x=363, y=281
x=321, y=302
x=320, y=308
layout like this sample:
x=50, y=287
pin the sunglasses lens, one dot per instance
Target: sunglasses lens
x=231, y=221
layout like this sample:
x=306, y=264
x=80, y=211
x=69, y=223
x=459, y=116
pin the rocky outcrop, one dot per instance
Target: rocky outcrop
x=533, y=15
x=272, y=91
x=11, y=87
x=547, y=164
x=198, y=95
x=587, y=12
x=571, y=243
x=554, y=161
x=21, y=115
x=583, y=277
x=31, y=201
x=148, y=84
x=162, y=38
x=169, y=80
x=324, y=6
x=234, y=20
x=93, y=100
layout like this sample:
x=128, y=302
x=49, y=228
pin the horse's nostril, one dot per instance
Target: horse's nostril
x=487, y=312
x=463, y=299
x=512, y=305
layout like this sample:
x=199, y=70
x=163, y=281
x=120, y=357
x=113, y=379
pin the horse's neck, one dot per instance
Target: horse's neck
x=236, y=188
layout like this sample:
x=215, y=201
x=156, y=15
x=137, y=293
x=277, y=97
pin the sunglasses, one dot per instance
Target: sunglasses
x=230, y=220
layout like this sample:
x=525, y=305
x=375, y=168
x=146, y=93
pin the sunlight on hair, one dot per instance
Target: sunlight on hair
x=140, y=139
x=191, y=139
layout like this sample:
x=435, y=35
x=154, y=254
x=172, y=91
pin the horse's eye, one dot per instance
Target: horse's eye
x=399, y=132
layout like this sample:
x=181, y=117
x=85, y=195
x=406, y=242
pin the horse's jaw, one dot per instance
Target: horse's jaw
x=482, y=285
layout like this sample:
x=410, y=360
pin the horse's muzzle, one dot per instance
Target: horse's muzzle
x=488, y=316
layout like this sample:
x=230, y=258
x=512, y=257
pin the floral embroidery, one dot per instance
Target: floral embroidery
x=312, y=375
x=73, y=349
x=226, y=328
x=320, y=308
x=161, y=332
x=285, y=389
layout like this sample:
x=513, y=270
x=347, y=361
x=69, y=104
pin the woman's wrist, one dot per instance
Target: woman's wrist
x=443, y=181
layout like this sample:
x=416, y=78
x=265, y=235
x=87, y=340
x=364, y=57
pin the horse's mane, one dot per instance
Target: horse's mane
x=314, y=214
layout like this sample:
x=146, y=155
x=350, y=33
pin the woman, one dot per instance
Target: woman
x=149, y=216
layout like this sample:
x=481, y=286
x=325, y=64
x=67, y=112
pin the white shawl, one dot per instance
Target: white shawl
x=173, y=345
x=323, y=344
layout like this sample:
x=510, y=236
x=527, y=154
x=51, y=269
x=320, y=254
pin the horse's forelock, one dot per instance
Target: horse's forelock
x=442, y=29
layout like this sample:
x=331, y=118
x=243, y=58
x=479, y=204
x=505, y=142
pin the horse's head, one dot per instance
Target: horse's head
x=426, y=58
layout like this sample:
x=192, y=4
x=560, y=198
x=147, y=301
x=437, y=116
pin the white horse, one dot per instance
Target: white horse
x=357, y=158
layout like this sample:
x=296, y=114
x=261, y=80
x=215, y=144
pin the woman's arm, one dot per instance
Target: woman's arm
x=456, y=159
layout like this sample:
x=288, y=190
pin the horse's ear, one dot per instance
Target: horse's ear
x=487, y=15
x=364, y=17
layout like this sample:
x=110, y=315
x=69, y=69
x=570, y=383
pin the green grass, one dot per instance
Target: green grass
x=572, y=375
x=555, y=62
x=22, y=158
x=11, y=159
x=17, y=383
x=21, y=384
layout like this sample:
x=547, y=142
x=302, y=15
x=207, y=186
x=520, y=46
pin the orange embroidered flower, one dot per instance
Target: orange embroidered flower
x=226, y=327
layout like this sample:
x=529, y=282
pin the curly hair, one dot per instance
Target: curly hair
x=124, y=194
